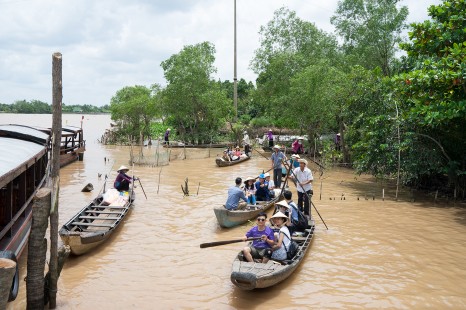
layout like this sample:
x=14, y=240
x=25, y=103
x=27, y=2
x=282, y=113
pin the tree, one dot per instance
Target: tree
x=134, y=107
x=433, y=93
x=192, y=101
x=289, y=45
x=371, y=30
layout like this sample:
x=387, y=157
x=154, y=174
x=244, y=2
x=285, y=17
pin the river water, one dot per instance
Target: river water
x=376, y=253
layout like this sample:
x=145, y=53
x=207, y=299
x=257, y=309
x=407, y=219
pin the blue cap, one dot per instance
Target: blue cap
x=262, y=176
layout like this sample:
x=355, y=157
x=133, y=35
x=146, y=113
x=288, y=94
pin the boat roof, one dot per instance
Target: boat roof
x=15, y=152
x=71, y=129
x=21, y=132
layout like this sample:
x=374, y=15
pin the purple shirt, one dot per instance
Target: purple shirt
x=270, y=135
x=255, y=232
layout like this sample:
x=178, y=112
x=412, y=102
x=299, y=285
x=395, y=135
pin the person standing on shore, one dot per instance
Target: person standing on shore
x=277, y=157
x=270, y=137
x=165, y=137
x=304, y=178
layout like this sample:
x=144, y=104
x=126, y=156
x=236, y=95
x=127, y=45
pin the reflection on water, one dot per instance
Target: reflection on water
x=376, y=254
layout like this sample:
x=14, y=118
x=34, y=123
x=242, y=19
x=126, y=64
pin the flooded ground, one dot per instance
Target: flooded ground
x=376, y=254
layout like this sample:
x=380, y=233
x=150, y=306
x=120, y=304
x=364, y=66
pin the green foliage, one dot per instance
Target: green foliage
x=133, y=108
x=370, y=30
x=192, y=102
x=27, y=107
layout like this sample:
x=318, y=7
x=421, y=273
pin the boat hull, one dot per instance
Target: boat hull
x=231, y=218
x=250, y=275
x=223, y=163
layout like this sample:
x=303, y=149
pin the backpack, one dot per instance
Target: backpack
x=294, y=247
x=301, y=224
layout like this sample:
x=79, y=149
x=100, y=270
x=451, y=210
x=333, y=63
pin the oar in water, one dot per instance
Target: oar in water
x=217, y=243
x=262, y=154
x=142, y=188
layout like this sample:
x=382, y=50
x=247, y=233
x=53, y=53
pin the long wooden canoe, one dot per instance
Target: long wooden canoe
x=95, y=223
x=230, y=218
x=249, y=276
x=225, y=163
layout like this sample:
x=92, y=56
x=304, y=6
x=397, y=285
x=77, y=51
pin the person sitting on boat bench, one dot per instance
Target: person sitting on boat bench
x=262, y=191
x=260, y=249
x=123, y=180
x=235, y=194
x=283, y=236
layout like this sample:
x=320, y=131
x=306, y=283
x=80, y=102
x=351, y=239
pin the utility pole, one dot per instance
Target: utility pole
x=235, y=80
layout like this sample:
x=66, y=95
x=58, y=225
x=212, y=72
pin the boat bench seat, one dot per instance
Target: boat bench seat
x=102, y=212
x=99, y=217
x=111, y=207
x=92, y=224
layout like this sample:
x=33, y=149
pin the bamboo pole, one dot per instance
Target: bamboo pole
x=37, y=248
x=57, y=97
x=7, y=273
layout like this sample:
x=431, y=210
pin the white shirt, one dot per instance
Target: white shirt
x=246, y=139
x=303, y=177
x=271, y=184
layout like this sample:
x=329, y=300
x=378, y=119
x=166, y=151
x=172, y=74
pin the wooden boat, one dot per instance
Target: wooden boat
x=249, y=276
x=196, y=146
x=225, y=163
x=24, y=159
x=95, y=222
x=230, y=218
x=72, y=145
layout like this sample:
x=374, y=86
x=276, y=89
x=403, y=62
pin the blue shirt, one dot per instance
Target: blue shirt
x=277, y=159
x=294, y=211
x=255, y=232
x=262, y=192
x=234, y=195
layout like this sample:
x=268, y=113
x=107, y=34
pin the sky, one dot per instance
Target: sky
x=109, y=44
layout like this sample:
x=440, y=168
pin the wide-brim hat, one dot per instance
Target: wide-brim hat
x=302, y=160
x=168, y=129
x=250, y=179
x=270, y=129
x=279, y=214
x=276, y=147
x=300, y=138
x=295, y=156
x=245, y=132
x=266, y=175
x=283, y=203
x=122, y=167
x=237, y=147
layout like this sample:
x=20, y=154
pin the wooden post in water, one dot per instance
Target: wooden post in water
x=57, y=97
x=37, y=248
x=320, y=194
x=7, y=273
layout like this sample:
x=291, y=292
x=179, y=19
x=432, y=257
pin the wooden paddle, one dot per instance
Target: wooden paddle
x=217, y=243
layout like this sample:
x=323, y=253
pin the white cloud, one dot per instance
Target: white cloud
x=107, y=45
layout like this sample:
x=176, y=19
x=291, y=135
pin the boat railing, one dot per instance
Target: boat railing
x=15, y=218
x=73, y=147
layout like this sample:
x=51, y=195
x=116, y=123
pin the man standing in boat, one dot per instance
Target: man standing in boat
x=123, y=180
x=235, y=194
x=304, y=178
x=246, y=143
x=277, y=157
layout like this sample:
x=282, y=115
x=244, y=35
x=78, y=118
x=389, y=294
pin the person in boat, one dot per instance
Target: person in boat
x=293, y=207
x=270, y=137
x=235, y=194
x=123, y=180
x=297, y=146
x=166, y=137
x=304, y=178
x=260, y=249
x=225, y=156
x=237, y=152
x=250, y=190
x=277, y=157
x=246, y=143
x=283, y=240
x=270, y=185
x=262, y=192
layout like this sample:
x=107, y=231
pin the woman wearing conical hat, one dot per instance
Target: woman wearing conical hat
x=123, y=180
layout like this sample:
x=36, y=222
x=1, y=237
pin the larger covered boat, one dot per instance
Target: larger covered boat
x=23, y=170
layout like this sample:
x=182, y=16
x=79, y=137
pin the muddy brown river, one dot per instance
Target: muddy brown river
x=376, y=254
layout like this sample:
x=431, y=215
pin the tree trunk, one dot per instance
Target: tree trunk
x=55, y=175
x=7, y=272
x=37, y=248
